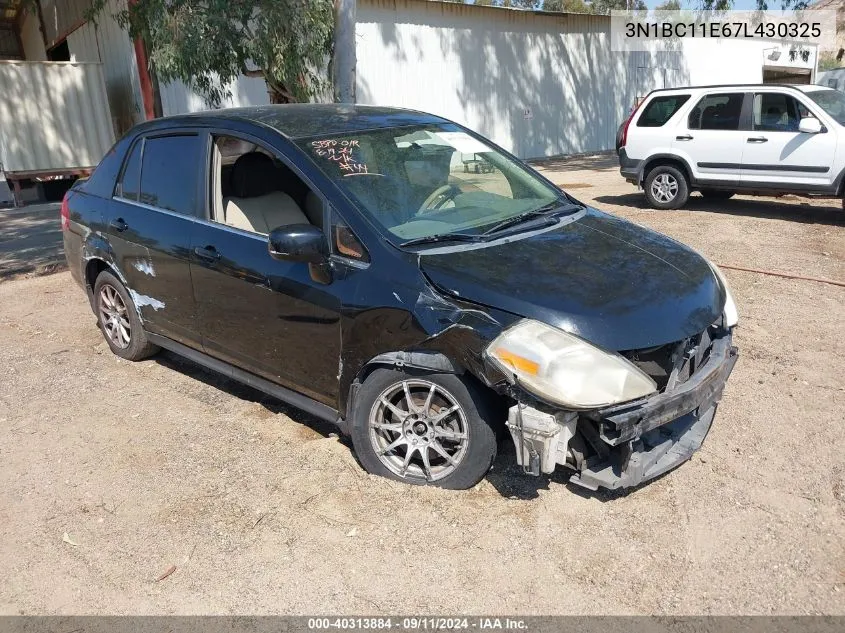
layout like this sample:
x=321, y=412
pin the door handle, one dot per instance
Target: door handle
x=208, y=253
x=684, y=137
x=757, y=139
x=119, y=225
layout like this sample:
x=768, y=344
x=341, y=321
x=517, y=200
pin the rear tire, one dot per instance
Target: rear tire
x=717, y=194
x=117, y=317
x=444, y=438
x=666, y=187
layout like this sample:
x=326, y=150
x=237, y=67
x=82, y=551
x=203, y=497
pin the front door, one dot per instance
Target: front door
x=150, y=224
x=776, y=153
x=710, y=138
x=277, y=319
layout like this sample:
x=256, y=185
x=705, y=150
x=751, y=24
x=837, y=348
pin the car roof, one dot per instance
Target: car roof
x=801, y=87
x=301, y=120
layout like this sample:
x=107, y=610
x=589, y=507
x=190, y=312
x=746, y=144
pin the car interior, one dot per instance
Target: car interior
x=254, y=191
x=716, y=112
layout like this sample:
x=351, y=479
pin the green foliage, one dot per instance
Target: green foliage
x=208, y=43
x=567, y=6
x=669, y=5
x=828, y=61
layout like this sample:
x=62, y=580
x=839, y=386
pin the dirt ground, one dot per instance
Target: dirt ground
x=113, y=472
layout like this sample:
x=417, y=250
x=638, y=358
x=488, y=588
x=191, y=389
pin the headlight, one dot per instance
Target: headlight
x=561, y=368
x=731, y=313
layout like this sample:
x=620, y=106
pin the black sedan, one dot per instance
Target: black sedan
x=342, y=259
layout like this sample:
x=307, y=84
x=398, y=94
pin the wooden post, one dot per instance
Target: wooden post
x=144, y=75
x=16, y=192
x=344, y=51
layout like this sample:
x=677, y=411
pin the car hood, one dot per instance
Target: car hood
x=613, y=283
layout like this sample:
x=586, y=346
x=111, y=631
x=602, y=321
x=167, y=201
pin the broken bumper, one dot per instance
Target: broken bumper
x=649, y=437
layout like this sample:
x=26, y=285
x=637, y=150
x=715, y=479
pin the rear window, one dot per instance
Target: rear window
x=170, y=173
x=660, y=109
x=130, y=179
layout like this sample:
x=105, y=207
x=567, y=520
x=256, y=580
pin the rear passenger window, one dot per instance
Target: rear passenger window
x=130, y=180
x=660, y=109
x=171, y=171
x=717, y=112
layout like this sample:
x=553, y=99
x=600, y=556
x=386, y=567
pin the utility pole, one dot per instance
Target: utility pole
x=344, y=51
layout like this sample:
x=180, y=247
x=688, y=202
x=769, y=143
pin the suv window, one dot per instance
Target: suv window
x=660, y=109
x=777, y=112
x=130, y=179
x=717, y=112
x=170, y=172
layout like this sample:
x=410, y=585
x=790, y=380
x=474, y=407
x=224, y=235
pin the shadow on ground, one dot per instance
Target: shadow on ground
x=30, y=241
x=243, y=392
x=791, y=209
x=506, y=476
x=595, y=162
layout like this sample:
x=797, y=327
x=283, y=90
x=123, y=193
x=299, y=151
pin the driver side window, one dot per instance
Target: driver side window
x=254, y=191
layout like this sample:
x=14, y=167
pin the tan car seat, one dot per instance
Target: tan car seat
x=257, y=205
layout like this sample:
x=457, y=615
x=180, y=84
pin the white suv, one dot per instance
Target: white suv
x=720, y=140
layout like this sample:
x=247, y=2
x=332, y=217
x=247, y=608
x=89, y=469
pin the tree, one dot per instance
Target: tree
x=669, y=5
x=567, y=6
x=208, y=43
x=606, y=6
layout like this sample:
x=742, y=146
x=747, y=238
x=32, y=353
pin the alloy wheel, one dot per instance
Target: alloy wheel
x=114, y=317
x=418, y=430
x=664, y=188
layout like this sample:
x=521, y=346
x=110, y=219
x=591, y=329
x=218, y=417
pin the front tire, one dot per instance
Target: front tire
x=118, y=319
x=666, y=187
x=424, y=429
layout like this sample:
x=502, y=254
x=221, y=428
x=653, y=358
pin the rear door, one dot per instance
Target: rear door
x=711, y=137
x=652, y=132
x=150, y=224
x=777, y=154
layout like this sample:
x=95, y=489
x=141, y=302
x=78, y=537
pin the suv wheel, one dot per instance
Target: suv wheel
x=118, y=319
x=717, y=194
x=423, y=429
x=666, y=187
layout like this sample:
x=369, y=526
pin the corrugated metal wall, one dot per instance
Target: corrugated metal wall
x=59, y=113
x=106, y=42
x=537, y=84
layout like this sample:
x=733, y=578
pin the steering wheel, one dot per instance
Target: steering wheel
x=437, y=198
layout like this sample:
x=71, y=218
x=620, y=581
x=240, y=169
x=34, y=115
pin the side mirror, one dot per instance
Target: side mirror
x=298, y=243
x=810, y=125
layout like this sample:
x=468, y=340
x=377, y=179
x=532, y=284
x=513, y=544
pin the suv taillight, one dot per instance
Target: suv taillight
x=65, y=213
x=630, y=118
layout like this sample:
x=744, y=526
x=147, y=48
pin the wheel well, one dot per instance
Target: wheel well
x=674, y=162
x=93, y=269
x=422, y=362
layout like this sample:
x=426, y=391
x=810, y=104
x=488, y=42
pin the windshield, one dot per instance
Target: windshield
x=831, y=101
x=429, y=180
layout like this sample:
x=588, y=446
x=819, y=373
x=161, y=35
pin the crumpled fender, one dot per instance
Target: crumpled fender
x=437, y=334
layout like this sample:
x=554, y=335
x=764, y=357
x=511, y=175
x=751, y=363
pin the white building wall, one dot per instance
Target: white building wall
x=537, y=84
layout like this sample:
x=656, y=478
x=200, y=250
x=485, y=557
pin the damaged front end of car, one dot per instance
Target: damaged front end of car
x=624, y=444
